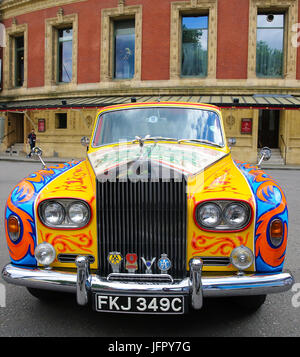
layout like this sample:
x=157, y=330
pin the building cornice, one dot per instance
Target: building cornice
x=12, y=8
x=91, y=91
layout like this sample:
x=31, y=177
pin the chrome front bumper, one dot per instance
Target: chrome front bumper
x=196, y=286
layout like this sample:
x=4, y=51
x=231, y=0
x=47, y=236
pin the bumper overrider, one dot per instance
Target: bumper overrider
x=192, y=289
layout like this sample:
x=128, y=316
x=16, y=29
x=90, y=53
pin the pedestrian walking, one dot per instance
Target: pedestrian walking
x=31, y=141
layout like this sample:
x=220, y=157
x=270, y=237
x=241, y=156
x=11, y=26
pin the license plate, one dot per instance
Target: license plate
x=140, y=304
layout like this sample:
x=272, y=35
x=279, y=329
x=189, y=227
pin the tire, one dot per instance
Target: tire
x=250, y=303
x=47, y=295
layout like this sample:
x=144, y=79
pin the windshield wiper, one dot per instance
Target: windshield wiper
x=153, y=138
x=200, y=141
x=163, y=138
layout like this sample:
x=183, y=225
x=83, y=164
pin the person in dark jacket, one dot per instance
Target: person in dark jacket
x=31, y=141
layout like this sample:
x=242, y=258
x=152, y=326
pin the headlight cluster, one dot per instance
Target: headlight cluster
x=64, y=213
x=223, y=215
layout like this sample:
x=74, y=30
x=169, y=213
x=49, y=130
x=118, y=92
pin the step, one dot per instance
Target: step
x=19, y=147
x=275, y=160
x=16, y=149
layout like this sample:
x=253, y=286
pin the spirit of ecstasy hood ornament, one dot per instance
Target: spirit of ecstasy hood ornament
x=142, y=140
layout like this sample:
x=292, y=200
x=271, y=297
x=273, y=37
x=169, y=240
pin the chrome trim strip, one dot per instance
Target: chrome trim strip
x=140, y=277
x=215, y=261
x=212, y=286
x=254, y=208
x=70, y=258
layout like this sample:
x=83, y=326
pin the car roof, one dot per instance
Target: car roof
x=161, y=104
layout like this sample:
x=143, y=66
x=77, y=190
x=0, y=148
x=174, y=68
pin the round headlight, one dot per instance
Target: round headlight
x=241, y=257
x=208, y=215
x=236, y=215
x=54, y=213
x=45, y=253
x=78, y=213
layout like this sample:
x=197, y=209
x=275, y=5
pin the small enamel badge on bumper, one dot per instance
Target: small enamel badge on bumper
x=115, y=260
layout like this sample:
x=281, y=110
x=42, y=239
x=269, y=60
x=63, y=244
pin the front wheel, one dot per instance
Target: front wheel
x=251, y=302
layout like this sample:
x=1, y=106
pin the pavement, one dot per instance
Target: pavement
x=22, y=158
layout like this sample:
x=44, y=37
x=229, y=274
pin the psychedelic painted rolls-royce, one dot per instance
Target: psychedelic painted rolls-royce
x=157, y=218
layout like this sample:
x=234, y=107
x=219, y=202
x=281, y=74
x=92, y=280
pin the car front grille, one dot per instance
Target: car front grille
x=145, y=218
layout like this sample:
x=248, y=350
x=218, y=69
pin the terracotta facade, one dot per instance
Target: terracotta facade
x=230, y=72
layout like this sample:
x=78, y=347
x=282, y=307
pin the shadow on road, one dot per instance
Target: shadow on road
x=215, y=316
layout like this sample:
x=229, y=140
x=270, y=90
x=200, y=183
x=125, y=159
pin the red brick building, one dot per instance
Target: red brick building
x=63, y=59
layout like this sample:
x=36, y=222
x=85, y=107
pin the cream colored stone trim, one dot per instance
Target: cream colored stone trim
x=290, y=8
x=9, y=55
x=51, y=27
x=107, y=18
x=178, y=87
x=193, y=7
x=10, y=8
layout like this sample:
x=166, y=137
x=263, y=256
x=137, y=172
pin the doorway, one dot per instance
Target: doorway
x=268, y=128
x=15, y=130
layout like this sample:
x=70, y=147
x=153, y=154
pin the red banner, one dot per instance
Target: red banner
x=246, y=126
x=41, y=125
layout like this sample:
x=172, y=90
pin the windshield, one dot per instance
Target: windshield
x=177, y=123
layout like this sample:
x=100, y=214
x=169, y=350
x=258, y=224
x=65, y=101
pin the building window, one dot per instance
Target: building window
x=15, y=57
x=121, y=43
x=61, y=50
x=64, y=55
x=124, y=49
x=270, y=45
x=193, y=40
x=19, y=61
x=61, y=121
x=194, y=46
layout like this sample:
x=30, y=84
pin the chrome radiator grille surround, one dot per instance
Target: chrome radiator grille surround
x=146, y=218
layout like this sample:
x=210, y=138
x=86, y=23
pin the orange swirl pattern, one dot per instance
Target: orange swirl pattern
x=40, y=177
x=272, y=256
x=222, y=183
x=271, y=203
x=69, y=243
x=21, y=203
x=217, y=245
x=75, y=182
x=18, y=250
